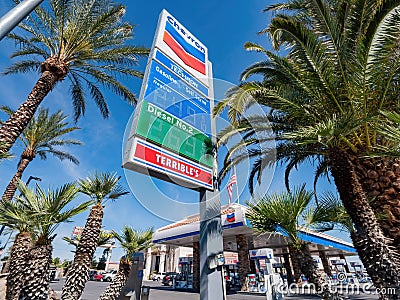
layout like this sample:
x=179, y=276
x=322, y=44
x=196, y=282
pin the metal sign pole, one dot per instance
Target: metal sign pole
x=16, y=15
x=211, y=241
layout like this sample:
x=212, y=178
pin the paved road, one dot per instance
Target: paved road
x=158, y=292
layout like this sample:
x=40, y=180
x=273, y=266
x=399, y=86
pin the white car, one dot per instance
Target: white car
x=157, y=276
x=109, y=276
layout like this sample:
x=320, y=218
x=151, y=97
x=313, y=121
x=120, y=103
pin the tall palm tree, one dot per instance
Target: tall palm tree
x=85, y=42
x=100, y=187
x=44, y=212
x=328, y=98
x=43, y=135
x=291, y=212
x=17, y=217
x=131, y=241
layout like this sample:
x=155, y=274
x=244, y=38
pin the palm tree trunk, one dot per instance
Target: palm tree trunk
x=196, y=266
x=295, y=263
x=309, y=268
x=114, y=289
x=53, y=70
x=244, y=260
x=380, y=260
x=37, y=277
x=12, y=186
x=380, y=179
x=78, y=273
x=17, y=260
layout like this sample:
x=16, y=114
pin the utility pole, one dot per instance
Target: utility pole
x=16, y=15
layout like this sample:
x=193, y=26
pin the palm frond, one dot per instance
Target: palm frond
x=39, y=211
x=91, y=38
x=102, y=187
x=132, y=240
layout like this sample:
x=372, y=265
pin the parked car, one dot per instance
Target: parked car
x=109, y=276
x=91, y=274
x=98, y=277
x=53, y=272
x=169, y=277
x=157, y=276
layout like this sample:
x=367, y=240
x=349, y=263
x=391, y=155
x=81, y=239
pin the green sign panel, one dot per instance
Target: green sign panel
x=172, y=133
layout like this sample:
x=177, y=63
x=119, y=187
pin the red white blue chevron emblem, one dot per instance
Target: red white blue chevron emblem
x=230, y=217
x=188, y=53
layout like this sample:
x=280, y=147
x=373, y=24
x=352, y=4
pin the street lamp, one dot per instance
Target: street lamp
x=16, y=15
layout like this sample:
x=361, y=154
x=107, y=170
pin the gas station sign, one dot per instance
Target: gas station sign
x=264, y=253
x=170, y=137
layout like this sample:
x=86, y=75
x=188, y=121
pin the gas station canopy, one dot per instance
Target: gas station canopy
x=233, y=217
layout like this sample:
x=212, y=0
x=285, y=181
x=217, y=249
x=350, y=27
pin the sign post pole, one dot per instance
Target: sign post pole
x=211, y=284
x=211, y=241
x=172, y=131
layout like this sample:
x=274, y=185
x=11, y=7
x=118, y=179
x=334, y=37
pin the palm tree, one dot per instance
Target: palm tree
x=17, y=217
x=328, y=100
x=100, y=187
x=289, y=213
x=43, y=135
x=84, y=42
x=44, y=211
x=131, y=241
x=104, y=239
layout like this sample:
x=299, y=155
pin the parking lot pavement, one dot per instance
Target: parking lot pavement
x=158, y=292
x=92, y=290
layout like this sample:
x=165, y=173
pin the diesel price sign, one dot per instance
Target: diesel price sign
x=170, y=136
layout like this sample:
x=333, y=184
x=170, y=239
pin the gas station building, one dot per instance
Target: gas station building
x=245, y=250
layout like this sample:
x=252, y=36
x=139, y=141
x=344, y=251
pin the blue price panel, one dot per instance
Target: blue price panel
x=178, y=71
x=162, y=90
x=168, y=79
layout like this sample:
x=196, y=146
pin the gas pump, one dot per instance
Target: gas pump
x=273, y=283
x=185, y=266
x=279, y=268
x=358, y=272
x=341, y=276
x=132, y=288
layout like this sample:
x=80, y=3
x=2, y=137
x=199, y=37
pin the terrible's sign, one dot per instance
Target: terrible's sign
x=171, y=133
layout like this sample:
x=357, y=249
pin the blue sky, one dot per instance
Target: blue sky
x=223, y=26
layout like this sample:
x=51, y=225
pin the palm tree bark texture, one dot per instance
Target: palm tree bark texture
x=114, y=289
x=53, y=70
x=288, y=267
x=244, y=260
x=78, y=273
x=196, y=266
x=26, y=157
x=380, y=260
x=325, y=263
x=17, y=259
x=36, y=285
x=295, y=264
x=309, y=268
x=380, y=179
